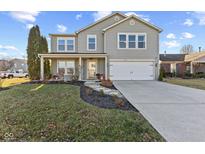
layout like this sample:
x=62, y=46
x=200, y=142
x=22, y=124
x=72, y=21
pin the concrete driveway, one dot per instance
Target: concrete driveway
x=176, y=112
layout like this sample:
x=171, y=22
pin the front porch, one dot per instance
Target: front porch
x=83, y=66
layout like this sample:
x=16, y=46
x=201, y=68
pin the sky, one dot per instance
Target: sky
x=179, y=28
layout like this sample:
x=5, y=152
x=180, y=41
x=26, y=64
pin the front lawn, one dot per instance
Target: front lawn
x=55, y=112
x=11, y=82
x=194, y=83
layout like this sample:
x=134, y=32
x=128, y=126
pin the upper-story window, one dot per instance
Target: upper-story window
x=91, y=42
x=66, y=45
x=122, y=41
x=141, y=41
x=131, y=41
x=70, y=45
x=61, y=45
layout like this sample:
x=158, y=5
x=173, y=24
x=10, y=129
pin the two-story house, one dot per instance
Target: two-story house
x=118, y=46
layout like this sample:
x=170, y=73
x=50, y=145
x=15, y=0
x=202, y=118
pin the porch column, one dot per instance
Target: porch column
x=106, y=65
x=80, y=68
x=191, y=67
x=42, y=68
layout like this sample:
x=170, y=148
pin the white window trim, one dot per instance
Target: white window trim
x=127, y=41
x=92, y=36
x=65, y=67
x=118, y=40
x=66, y=38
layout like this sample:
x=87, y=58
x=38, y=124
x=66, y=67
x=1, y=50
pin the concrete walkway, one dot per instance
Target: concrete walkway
x=176, y=112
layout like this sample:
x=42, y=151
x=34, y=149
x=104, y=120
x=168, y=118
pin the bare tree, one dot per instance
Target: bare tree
x=187, y=49
x=4, y=65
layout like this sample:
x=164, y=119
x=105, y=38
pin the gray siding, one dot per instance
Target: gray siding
x=111, y=46
x=101, y=66
x=53, y=66
x=152, y=47
x=95, y=30
x=54, y=43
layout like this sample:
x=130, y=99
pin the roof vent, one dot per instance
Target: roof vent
x=132, y=22
x=116, y=18
x=165, y=52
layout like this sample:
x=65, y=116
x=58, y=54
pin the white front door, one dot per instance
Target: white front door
x=91, y=69
x=131, y=71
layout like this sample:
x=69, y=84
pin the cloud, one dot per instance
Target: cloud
x=145, y=17
x=8, y=47
x=171, y=44
x=61, y=28
x=201, y=17
x=29, y=26
x=78, y=16
x=187, y=35
x=3, y=54
x=24, y=16
x=171, y=36
x=100, y=14
x=188, y=22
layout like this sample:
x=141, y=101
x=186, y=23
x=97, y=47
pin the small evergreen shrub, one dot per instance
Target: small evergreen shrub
x=161, y=75
x=101, y=93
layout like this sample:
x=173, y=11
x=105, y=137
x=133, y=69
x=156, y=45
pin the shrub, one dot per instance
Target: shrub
x=119, y=102
x=174, y=74
x=106, y=83
x=114, y=97
x=75, y=77
x=187, y=74
x=101, y=93
x=161, y=75
x=88, y=91
x=199, y=75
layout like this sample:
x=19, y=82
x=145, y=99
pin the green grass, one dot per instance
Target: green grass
x=193, y=83
x=57, y=113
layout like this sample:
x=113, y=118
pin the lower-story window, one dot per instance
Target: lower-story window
x=66, y=67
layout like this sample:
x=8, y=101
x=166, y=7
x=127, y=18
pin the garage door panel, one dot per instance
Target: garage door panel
x=131, y=71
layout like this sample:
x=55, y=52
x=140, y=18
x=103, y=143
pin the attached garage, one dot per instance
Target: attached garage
x=132, y=70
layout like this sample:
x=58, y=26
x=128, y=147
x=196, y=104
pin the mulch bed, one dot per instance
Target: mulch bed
x=105, y=101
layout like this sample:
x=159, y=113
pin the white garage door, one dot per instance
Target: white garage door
x=131, y=71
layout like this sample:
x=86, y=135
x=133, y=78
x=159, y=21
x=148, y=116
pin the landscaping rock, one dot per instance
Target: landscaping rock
x=104, y=100
x=108, y=91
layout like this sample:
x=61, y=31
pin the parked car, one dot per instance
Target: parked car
x=13, y=74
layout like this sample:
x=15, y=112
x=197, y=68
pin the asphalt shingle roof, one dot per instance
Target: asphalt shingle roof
x=172, y=57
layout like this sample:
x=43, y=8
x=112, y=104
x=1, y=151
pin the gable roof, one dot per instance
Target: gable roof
x=137, y=18
x=102, y=19
x=194, y=56
x=172, y=57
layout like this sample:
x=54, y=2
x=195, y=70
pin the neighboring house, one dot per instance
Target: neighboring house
x=13, y=65
x=119, y=47
x=173, y=63
x=181, y=63
x=18, y=65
